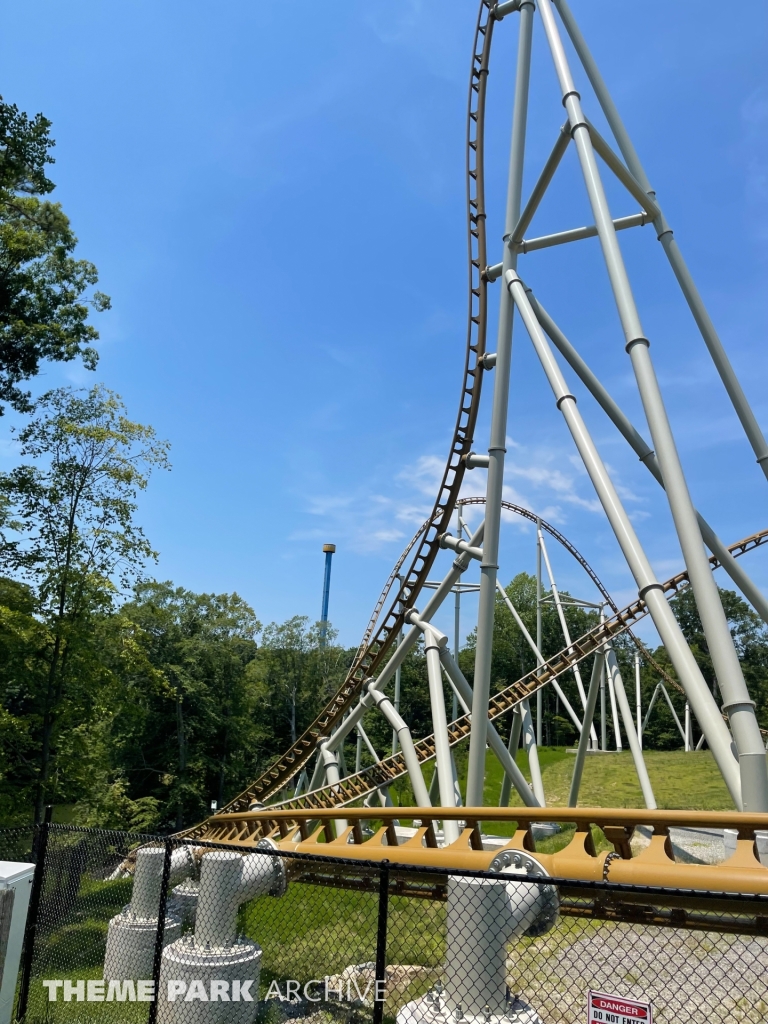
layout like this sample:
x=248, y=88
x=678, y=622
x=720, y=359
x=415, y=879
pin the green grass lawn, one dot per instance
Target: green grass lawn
x=680, y=781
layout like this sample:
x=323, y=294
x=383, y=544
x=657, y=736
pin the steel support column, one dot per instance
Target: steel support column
x=737, y=702
x=685, y=280
x=649, y=588
x=498, y=431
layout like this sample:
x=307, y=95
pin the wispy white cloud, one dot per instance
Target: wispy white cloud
x=545, y=471
x=541, y=479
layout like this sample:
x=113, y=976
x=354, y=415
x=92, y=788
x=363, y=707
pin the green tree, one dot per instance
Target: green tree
x=295, y=673
x=70, y=515
x=513, y=657
x=22, y=637
x=187, y=729
x=46, y=295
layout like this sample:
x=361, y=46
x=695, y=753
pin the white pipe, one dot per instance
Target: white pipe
x=227, y=880
x=650, y=706
x=367, y=699
x=496, y=743
x=512, y=746
x=629, y=727
x=638, y=701
x=147, y=881
x=484, y=914
x=363, y=735
x=456, y=785
x=332, y=778
x=440, y=730
x=671, y=706
x=529, y=741
x=420, y=792
x=614, y=713
x=589, y=714
x=688, y=735
x=649, y=589
x=748, y=784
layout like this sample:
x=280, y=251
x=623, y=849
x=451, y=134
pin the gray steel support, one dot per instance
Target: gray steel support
x=363, y=736
x=512, y=748
x=638, y=701
x=318, y=774
x=589, y=715
x=661, y=688
x=398, y=681
x=457, y=616
x=564, y=628
x=539, y=189
x=648, y=586
x=410, y=638
x=529, y=742
x=649, y=709
x=685, y=280
x=737, y=702
x=634, y=220
x=302, y=784
x=498, y=429
x=538, y=655
x=612, y=665
x=332, y=778
x=420, y=794
x=646, y=455
x=688, y=731
x=496, y=743
x=539, y=692
x=456, y=786
x=432, y=644
x=614, y=712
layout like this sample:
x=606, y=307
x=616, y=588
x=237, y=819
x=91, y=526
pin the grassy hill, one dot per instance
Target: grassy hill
x=680, y=781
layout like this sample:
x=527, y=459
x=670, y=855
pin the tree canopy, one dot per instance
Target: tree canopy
x=46, y=294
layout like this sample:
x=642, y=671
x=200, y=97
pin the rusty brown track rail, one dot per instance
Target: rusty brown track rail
x=355, y=787
x=509, y=507
x=374, y=652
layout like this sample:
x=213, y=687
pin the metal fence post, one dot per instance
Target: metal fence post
x=381, y=945
x=158, y=957
x=39, y=850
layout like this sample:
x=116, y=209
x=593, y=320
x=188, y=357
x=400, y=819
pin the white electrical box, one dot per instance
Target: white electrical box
x=15, y=890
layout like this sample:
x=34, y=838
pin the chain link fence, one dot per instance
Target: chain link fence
x=260, y=935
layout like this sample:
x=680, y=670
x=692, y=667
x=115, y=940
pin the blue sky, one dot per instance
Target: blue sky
x=273, y=195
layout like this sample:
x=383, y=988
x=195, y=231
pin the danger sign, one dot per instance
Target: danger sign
x=605, y=1009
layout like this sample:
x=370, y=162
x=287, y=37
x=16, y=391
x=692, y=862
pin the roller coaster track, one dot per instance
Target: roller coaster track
x=383, y=773
x=373, y=653
x=402, y=590
x=508, y=506
x=563, y=540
